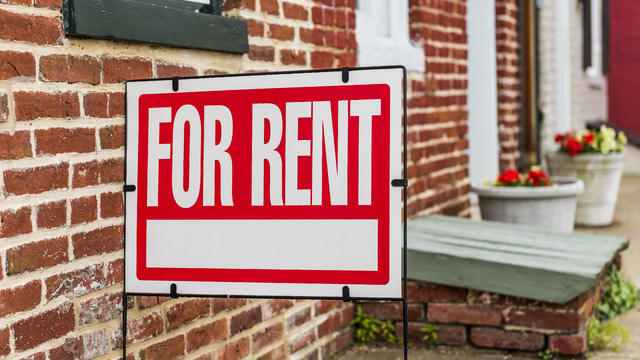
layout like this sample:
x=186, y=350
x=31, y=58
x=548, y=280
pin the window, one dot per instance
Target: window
x=383, y=35
x=183, y=23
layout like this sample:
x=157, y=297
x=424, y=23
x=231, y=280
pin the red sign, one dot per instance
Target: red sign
x=280, y=185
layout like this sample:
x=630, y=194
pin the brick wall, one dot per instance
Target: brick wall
x=437, y=117
x=488, y=320
x=61, y=205
x=588, y=97
x=508, y=67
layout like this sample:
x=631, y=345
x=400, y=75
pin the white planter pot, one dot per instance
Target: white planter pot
x=601, y=176
x=551, y=207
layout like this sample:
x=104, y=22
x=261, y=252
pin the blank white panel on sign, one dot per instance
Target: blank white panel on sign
x=263, y=244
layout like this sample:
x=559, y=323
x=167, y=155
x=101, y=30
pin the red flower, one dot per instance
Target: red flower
x=537, y=178
x=509, y=176
x=589, y=137
x=560, y=137
x=572, y=146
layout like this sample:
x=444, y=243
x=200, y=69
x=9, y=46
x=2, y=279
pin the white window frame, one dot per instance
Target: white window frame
x=376, y=49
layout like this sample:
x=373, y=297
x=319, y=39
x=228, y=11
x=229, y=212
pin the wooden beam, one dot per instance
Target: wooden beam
x=509, y=259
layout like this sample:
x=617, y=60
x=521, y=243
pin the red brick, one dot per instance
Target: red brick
x=453, y=313
x=313, y=36
x=149, y=301
x=427, y=292
x=140, y=329
x=295, y=11
x=102, y=308
x=104, y=105
x=266, y=336
x=331, y=324
x=348, y=313
x=111, y=170
x=5, y=347
x=98, y=241
x=186, y=312
x=338, y=343
x=446, y=334
x=383, y=310
x=170, y=70
x=299, y=318
x=60, y=140
x=321, y=59
x=235, y=350
x=84, y=210
x=324, y=306
x=280, y=32
x=34, y=105
x=31, y=28
x=293, y=57
x=115, y=70
x=275, y=306
x=75, y=283
x=207, y=334
x=261, y=53
x=245, y=320
x=44, y=326
x=317, y=15
x=501, y=339
x=255, y=28
x=54, y=4
x=36, y=180
x=15, y=222
x=301, y=341
x=574, y=344
x=112, y=137
x=544, y=319
x=392, y=310
x=111, y=205
x=235, y=4
x=221, y=304
x=17, y=65
x=85, y=174
x=20, y=298
x=52, y=215
x=37, y=255
x=170, y=349
x=69, y=68
x=115, y=272
x=88, y=346
x=270, y=7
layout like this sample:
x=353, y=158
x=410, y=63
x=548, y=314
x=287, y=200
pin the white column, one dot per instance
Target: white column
x=563, y=66
x=483, y=98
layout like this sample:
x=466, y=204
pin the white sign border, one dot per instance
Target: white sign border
x=394, y=76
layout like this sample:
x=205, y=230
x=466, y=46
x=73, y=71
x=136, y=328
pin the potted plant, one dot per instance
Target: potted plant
x=530, y=199
x=597, y=158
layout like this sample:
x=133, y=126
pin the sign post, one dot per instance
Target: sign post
x=267, y=185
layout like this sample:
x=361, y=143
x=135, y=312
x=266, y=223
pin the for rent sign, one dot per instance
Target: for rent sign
x=272, y=185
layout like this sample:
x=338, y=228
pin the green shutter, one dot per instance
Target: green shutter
x=156, y=22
